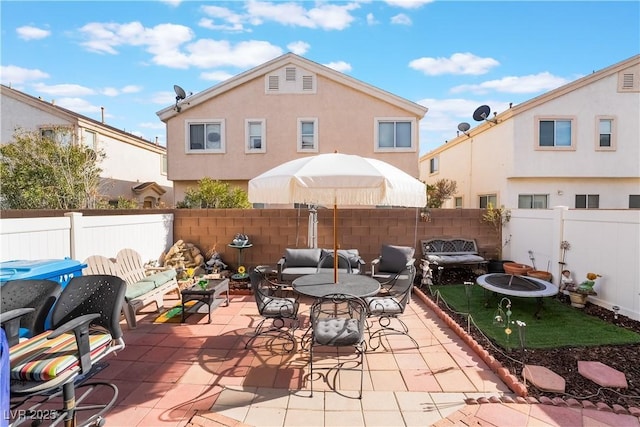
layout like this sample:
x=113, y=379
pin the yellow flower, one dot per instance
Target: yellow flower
x=507, y=331
x=190, y=272
x=592, y=276
x=241, y=269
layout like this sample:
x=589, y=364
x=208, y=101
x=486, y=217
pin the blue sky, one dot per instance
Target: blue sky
x=450, y=56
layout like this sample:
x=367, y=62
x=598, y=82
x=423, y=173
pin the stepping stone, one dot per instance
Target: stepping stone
x=543, y=378
x=602, y=374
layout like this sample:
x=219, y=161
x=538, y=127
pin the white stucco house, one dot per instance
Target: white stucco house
x=133, y=167
x=576, y=146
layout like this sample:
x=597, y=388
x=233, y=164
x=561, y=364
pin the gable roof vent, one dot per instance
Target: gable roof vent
x=290, y=74
x=627, y=81
x=307, y=82
x=274, y=83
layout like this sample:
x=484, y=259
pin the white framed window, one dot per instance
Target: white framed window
x=163, y=165
x=395, y=134
x=206, y=136
x=308, y=135
x=587, y=201
x=533, y=201
x=634, y=201
x=59, y=134
x=487, y=199
x=555, y=133
x=90, y=139
x=433, y=165
x=605, y=133
x=255, y=136
x=457, y=202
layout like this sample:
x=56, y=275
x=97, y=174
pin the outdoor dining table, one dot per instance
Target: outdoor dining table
x=322, y=284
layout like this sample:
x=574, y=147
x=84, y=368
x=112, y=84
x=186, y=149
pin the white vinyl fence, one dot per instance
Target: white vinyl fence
x=77, y=236
x=606, y=242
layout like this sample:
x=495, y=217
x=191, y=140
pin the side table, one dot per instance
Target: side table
x=207, y=297
x=240, y=248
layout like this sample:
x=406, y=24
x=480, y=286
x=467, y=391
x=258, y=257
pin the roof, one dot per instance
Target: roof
x=541, y=99
x=291, y=58
x=76, y=117
x=140, y=188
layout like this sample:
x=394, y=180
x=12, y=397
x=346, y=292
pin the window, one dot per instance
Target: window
x=587, y=201
x=457, y=201
x=255, y=136
x=90, y=139
x=433, y=165
x=394, y=134
x=207, y=137
x=60, y=135
x=605, y=133
x=308, y=134
x=533, y=201
x=163, y=165
x=634, y=201
x=487, y=199
x=555, y=133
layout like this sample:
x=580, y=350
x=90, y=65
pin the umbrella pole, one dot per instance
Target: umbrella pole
x=335, y=244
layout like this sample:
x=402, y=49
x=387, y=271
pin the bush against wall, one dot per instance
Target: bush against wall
x=215, y=195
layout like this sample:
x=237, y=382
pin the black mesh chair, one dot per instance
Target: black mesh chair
x=389, y=306
x=37, y=296
x=274, y=308
x=49, y=367
x=338, y=320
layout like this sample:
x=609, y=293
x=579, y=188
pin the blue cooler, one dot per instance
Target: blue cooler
x=58, y=270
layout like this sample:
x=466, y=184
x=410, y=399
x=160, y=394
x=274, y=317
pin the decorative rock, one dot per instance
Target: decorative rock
x=483, y=400
x=471, y=401
x=602, y=374
x=495, y=399
x=509, y=399
x=543, y=378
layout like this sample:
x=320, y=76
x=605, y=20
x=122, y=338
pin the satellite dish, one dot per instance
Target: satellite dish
x=464, y=127
x=180, y=93
x=481, y=113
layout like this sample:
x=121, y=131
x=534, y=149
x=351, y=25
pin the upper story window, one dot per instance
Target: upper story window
x=433, y=165
x=605, y=134
x=255, y=136
x=634, y=201
x=59, y=134
x=394, y=134
x=555, y=133
x=90, y=139
x=488, y=199
x=308, y=134
x=163, y=165
x=533, y=201
x=587, y=201
x=206, y=136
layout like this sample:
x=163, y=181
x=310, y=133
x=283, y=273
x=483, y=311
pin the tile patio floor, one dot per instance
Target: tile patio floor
x=198, y=374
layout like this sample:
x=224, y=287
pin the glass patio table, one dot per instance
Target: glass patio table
x=321, y=284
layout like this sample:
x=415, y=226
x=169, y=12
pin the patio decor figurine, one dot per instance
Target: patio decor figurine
x=579, y=293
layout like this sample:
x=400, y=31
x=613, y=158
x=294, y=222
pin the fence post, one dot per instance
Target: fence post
x=558, y=237
x=76, y=233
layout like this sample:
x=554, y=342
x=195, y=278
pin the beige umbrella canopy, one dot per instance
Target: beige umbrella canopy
x=340, y=180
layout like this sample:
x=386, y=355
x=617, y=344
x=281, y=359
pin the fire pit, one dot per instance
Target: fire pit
x=518, y=286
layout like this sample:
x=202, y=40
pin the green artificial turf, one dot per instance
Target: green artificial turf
x=560, y=325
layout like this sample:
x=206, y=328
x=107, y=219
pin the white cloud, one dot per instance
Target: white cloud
x=458, y=63
x=231, y=21
x=299, y=47
x=153, y=125
x=78, y=105
x=408, y=4
x=324, y=16
x=216, y=76
x=11, y=74
x=164, y=98
x=221, y=53
x=371, y=20
x=112, y=91
x=174, y=3
x=67, y=90
x=401, y=19
x=532, y=83
x=341, y=66
x=28, y=32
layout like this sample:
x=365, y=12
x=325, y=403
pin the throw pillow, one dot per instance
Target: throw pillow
x=302, y=257
x=394, y=258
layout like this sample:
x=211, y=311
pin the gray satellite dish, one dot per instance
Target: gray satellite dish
x=481, y=113
x=464, y=127
x=180, y=93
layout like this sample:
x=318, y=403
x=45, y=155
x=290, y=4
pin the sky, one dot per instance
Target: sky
x=449, y=56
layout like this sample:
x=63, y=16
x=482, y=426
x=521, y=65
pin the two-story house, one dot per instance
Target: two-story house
x=142, y=177
x=278, y=111
x=575, y=146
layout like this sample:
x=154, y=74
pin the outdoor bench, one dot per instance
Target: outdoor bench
x=300, y=262
x=440, y=254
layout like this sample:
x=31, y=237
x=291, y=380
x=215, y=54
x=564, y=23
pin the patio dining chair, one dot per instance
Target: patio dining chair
x=338, y=320
x=274, y=309
x=387, y=308
x=36, y=297
x=48, y=368
x=326, y=263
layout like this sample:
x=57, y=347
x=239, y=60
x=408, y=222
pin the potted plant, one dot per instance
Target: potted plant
x=579, y=293
x=497, y=218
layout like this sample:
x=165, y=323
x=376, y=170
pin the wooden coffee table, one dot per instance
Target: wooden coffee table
x=208, y=297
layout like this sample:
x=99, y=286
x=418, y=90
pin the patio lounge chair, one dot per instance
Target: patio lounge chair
x=391, y=261
x=390, y=306
x=338, y=320
x=85, y=329
x=273, y=308
x=37, y=296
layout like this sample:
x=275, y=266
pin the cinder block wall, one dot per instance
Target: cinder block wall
x=273, y=230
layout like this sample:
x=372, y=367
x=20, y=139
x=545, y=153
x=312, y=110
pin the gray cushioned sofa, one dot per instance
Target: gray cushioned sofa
x=300, y=262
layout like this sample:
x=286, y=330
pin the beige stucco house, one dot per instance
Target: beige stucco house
x=575, y=146
x=286, y=108
x=133, y=168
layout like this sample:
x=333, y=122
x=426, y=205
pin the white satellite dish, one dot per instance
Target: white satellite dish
x=464, y=127
x=180, y=95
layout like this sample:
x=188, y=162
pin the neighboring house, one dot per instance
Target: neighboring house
x=133, y=168
x=287, y=108
x=575, y=146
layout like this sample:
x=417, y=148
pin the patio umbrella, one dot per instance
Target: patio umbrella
x=340, y=180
